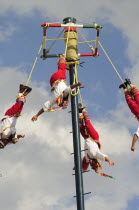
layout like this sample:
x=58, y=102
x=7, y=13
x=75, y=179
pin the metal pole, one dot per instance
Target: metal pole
x=77, y=146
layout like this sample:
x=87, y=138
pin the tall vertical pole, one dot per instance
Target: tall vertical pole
x=71, y=37
x=77, y=146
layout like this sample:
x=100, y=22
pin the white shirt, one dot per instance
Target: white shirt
x=93, y=150
x=137, y=132
x=59, y=89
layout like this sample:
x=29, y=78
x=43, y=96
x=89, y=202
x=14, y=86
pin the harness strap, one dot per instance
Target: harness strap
x=15, y=115
x=4, y=130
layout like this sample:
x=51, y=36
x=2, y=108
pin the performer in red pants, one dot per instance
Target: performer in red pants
x=132, y=99
x=92, y=145
x=59, y=89
x=8, y=122
x=61, y=73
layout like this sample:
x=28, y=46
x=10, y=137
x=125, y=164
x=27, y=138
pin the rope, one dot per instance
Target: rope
x=86, y=42
x=81, y=100
x=105, y=54
x=33, y=66
x=90, y=46
x=75, y=81
x=55, y=40
x=111, y=62
x=67, y=40
x=72, y=62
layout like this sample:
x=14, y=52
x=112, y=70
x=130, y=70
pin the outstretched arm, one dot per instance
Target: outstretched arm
x=107, y=159
x=76, y=85
x=35, y=117
x=135, y=137
x=47, y=105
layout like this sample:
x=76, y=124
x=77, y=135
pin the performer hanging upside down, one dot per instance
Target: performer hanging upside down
x=59, y=89
x=132, y=99
x=92, y=145
x=8, y=122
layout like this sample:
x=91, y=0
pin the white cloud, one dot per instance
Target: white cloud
x=37, y=170
x=39, y=167
x=6, y=32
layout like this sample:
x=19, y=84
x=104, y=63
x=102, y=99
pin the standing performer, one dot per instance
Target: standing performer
x=59, y=89
x=92, y=145
x=8, y=123
x=132, y=99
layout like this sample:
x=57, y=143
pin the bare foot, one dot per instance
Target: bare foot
x=20, y=136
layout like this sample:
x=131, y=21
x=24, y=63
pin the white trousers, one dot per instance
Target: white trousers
x=8, y=122
x=92, y=150
x=59, y=89
x=137, y=132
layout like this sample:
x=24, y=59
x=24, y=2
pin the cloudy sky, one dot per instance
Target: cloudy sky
x=37, y=172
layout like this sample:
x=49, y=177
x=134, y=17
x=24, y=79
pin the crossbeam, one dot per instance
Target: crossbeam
x=79, y=54
x=94, y=25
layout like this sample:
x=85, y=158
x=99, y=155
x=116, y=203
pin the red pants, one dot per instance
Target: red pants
x=90, y=130
x=132, y=99
x=15, y=109
x=87, y=127
x=60, y=74
x=85, y=164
